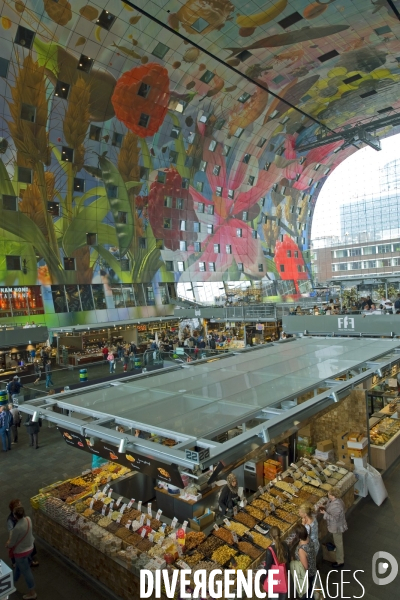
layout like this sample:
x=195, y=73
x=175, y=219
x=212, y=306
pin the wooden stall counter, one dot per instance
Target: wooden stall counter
x=174, y=506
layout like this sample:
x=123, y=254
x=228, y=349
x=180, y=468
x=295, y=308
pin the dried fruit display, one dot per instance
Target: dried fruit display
x=277, y=494
x=286, y=516
x=268, y=498
x=292, y=508
x=194, y=539
x=144, y=545
x=314, y=491
x=262, y=504
x=223, y=554
x=286, y=487
x=194, y=558
x=274, y=522
x=260, y=539
x=246, y=519
x=224, y=535
x=255, y=512
x=242, y=562
x=238, y=528
x=208, y=566
x=249, y=549
x=141, y=97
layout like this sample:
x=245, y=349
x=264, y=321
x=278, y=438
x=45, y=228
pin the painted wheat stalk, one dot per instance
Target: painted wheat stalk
x=76, y=121
x=128, y=158
x=30, y=138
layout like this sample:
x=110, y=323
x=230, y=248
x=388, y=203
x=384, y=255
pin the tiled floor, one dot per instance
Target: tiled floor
x=24, y=470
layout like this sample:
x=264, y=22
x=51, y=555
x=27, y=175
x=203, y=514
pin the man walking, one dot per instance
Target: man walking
x=14, y=388
x=6, y=422
x=14, y=412
x=47, y=370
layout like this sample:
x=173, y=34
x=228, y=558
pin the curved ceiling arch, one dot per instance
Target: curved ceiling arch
x=184, y=122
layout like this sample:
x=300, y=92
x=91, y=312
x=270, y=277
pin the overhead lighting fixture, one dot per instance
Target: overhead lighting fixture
x=35, y=417
x=122, y=446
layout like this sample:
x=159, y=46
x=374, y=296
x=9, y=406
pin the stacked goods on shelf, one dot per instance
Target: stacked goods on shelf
x=272, y=468
x=304, y=445
x=383, y=432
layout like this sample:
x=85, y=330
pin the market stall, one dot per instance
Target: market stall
x=385, y=436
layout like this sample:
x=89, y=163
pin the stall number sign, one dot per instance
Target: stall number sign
x=198, y=455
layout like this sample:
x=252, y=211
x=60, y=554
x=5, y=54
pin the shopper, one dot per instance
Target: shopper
x=21, y=542
x=38, y=371
x=105, y=352
x=282, y=555
x=305, y=553
x=16, y=422
x=33, y=428
x=334, y=514
x=229, y=496
x=11, y=523
x=6, y=422
x=310, y=522
x=132, y=357
x=111, y=362
x=14, y=387
x=126, y=359
x=397, y=303
x=47, y=370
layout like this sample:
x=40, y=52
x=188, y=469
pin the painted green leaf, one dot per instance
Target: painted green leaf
x=120, y=205
x=180, y=148
x=124, y=276
x=92, y=193
x=271, y=266
x=75, y=236
x=47, y=54
x=145, y=154
x=87, y=222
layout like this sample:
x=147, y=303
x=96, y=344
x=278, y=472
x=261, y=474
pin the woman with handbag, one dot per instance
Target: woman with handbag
x=310, y=522
x=11, y=523
x=335, y=517
x=277, y=557
x=21, y=542
x=305, y=554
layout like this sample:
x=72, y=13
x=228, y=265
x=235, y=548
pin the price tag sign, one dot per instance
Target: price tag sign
x=103, y=511
x=143, y=534
x=179, y=548
x=91, y=503
x=106, y=488
x=235, y=538
x=267, y=513
x=261, y=489
x=158, y=515
x=272, y=506
x=280, y=501
x=111, y=505
x=139, y=506
x=235, y=511
x=148, y=522
x=227, y=522
x=184, y=525
x=131, y=501
x=119, y=519
x=123, y=507
x=86, y=472
x=288, y=495
x=119, y=501
x=244, y=502
x=141, y=520
x=160, y=541
x=110, y=491
x=149, y=509
x=174, y=522
x=151, y=537
x=215, y=527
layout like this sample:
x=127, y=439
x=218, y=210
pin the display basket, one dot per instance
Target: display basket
x=38, y=501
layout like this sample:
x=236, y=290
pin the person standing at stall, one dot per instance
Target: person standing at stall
x=310, y=522
x=277, y=553
x=14, y=412
x=21, y=543
x=6, y=422
x=229, y=496
x=33, y=428
x=111, y=361
x=305, y=553
x=47, y=370
x=334, y=515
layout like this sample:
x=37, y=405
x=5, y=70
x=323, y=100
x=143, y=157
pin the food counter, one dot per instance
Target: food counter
x=78, y=360
x=385, y=439
x=112, y=538
x=175, y=506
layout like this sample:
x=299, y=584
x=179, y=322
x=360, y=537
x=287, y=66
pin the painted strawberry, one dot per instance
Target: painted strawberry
x=171, y=208
x=141, y=97
x=289, y=261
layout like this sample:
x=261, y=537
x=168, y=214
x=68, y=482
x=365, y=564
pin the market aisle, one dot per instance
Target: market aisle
x=23, y=471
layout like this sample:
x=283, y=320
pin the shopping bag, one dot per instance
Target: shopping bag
x=298, y=574
x=280, y=579
x=375, y=485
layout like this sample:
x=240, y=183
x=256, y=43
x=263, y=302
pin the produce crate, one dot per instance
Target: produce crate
x=36, y=501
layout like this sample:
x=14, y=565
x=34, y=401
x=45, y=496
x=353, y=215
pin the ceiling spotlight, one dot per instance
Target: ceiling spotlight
x=122, y=446
x=35, y=417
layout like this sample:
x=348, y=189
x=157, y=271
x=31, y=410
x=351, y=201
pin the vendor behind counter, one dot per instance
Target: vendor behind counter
x=229, y=496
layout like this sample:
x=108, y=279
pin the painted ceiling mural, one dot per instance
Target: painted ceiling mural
x=138, y=152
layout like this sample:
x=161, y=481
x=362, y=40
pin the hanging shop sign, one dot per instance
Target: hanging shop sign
x=168, y=473
x=13, y=289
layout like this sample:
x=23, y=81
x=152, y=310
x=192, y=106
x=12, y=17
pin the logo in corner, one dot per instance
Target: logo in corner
x=380, y=567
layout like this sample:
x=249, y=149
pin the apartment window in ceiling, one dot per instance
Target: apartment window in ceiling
x=244, y=55
x=167, y=224
x=210, y=209
x=168, y=201
x=28, y=112
x=290, y=20
x=4, y=64
x=91, y=239
x=207, y=76
x=240, y=267
x=210, y=229
x=161, y=177
x=159, y=244
x=251, y=180
x=13, y=263
x=226, y=150
x=10, y=202
x=144, y=90
x=185, y=183
x=106, y=20
x=200, y=207
x=200, y=24
x=181, y=266
x=122, y=217
x=117, y=139
x=142, y=243
x=69, y=264
x=296, y=254
x=282, y=268
x=196, y=227
x=254, y=234
x=112, y=192
x=197, y=247
x=95, y=133
x=246, y=158
x=245, y=215
x=143, y=173
x=216, y=249
x=160, y=50
x=67, y=154
x=202, y=267
x=173, y=157
x=203, y=165
x=328, y=56
x=79, y=184
x=199, y=186
x=213, y=145
x=182, y=246
x=261, y=142
x=238, y=233
x=177, y=105
x=219, y=123
x=53, y=208
x=85, y=63
x=169, y=265
x=218, y=191
x=182, y=225
x=228, y=249
x=216, y=169
x=144, y=120
x=24, y=175
x=238, y=132
x=180, y=203
x=203, y=119
x=24, y=37
x=244, y=97
x=175, y=131
x=267, y=166
x=260, y=267
x=211, y=266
